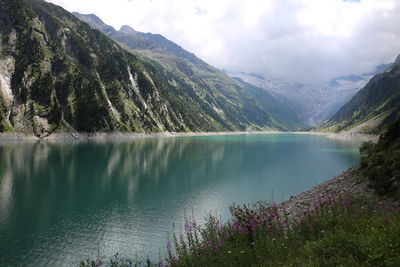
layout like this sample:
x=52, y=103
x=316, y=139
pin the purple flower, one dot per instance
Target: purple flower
x=242, y=230
x=261, y=220
x=271, y=214
x=253, y=225
x=318, y=200
x=188, y=228
x=174, y=260
x=235, y=226
x=309, y=212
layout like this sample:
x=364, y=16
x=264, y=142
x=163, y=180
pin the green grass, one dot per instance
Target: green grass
x=334, y=232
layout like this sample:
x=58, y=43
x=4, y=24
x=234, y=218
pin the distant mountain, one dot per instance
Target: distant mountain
x=205, y=78
x=139, y=40
x=373, y=107
x=58, y=74
x=314, y=104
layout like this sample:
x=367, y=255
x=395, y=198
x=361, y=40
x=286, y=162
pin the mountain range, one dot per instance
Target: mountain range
x=373, y=108
x=315, y=104
x=64, y=72
x=194, y=70
x=59, y=74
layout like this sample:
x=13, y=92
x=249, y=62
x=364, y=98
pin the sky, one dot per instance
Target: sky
x=307, y=41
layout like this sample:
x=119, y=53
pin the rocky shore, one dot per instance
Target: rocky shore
x=348, y=184
x=12, y=136
x=348, y=135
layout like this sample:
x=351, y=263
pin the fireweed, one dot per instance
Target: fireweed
x=333, y=231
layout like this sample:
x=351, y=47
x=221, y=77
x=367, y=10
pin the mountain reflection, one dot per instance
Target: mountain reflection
x=59, y=200
x=89, y=171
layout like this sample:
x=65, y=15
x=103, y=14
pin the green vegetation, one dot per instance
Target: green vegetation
x=230, y=103
x=333, y=232
x=381, y=162
x=4, y=125
x=82, y=78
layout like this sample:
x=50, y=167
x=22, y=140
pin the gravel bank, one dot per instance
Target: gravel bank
x=83, y=136
x=345, y=136
x=349, y=183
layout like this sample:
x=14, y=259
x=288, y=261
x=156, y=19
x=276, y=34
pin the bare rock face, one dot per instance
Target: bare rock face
x=42, y=128
x=7, y=64
x=6, y=71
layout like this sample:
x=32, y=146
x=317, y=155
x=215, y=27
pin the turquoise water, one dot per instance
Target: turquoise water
x=60, y=202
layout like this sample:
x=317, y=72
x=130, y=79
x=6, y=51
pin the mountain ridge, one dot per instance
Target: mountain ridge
x=315, y=104
x=186, y=65
x=373, y=108
x=141, y=40
x=58, y=74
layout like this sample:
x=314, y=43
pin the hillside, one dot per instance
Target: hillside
x=202, y=76
x=314, y=104
x=381, y=162
x=58, y=74
x=374, y=107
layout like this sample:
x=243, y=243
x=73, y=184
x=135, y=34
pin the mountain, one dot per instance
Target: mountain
x=374, y=107
x=59, y=74
x=313, y=104
x=198, y=73
x=139, y=40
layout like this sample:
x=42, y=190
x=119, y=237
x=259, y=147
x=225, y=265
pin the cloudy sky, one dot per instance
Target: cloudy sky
x=308, y=41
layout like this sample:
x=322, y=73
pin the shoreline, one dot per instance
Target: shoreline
x=118, y=135
x=345, y=135
x=12, y=136
x=350, y=183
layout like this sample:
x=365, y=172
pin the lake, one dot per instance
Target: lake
x=62, y=201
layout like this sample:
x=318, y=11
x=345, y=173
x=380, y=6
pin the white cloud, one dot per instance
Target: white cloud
x=298, y=40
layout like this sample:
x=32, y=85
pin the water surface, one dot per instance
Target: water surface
x=60, y=202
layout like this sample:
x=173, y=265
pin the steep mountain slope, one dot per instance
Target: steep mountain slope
x=58, y=74
x=373, y=107
x=381, y=162
x=313, y=104
x=201, y=75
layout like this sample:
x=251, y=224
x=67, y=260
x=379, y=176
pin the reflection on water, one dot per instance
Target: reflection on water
x=60, y=200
